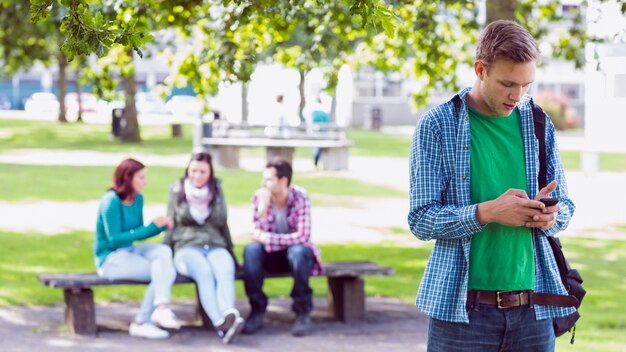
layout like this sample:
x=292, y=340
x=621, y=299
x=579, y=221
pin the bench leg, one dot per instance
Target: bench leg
x=335, y=158
x=80, y=311
x=200, y=313
x=225, y=155
x=285, y=152
x=346, y=298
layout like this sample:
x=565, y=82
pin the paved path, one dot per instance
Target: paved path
x=388, y=326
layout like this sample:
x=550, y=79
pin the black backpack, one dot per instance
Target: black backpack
x=571, y=279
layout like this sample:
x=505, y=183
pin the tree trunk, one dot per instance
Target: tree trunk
x=501, y=10
x=130, y=125
x=62, y=59
x=79, y=100
x=302, y=97
x=244, y=104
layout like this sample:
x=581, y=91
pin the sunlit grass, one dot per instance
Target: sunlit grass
x=88, y=183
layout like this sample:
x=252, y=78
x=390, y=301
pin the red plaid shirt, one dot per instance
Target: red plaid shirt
x=299, y=220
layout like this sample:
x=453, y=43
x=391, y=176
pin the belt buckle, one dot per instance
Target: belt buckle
x=499, y=299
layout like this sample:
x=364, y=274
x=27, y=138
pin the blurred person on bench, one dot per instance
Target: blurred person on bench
x=120, y=223
x=281, y=243
x=203, y=249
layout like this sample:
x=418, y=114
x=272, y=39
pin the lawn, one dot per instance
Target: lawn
x=87, y=183
x=22, y=256
x=19, y=134
x=602, y=264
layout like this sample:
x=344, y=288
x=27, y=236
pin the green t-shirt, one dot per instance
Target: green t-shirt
x=501, y=257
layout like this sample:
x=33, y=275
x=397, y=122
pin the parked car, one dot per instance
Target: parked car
x=5, y=103
x=88, y=104
x=42, y=103
x=184, y=105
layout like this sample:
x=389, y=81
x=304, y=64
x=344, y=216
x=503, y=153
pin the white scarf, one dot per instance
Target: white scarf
x=198, y=200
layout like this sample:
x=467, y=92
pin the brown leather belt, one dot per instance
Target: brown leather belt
x=511, y=299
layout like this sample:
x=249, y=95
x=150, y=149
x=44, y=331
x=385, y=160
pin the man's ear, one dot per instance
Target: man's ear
x=480, y=69
x=284, y=181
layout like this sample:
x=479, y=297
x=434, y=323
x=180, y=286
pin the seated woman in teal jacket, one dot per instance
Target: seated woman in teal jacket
x=120, y=224
x=203, y=249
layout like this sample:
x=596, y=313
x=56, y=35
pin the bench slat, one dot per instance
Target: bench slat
x=85, y=280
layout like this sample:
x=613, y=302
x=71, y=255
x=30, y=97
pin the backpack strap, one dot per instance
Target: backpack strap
x=456, y=100
x=539, y=121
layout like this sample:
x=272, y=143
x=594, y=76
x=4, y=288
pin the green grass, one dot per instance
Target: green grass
x=23, y=256
x=571, y=160
x=18, y=134
x=602, y=264
x=373, y=143
x=81, y=183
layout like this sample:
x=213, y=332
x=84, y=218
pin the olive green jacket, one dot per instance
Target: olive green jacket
x=214, y=232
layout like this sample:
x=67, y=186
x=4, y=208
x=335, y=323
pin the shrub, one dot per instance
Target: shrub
x=556, y=105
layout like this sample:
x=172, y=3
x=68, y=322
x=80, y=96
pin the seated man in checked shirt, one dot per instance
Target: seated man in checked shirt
x=281, y=243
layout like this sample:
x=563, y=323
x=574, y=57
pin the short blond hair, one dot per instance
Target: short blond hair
x=504, y=39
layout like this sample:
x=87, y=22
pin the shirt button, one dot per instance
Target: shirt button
x=464, y=178
x=465, y=148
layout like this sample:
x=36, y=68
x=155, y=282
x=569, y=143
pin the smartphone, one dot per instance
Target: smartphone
x=549, y=201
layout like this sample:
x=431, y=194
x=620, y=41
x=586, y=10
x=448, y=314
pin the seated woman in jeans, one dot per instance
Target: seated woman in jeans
x=120, y=223
x=203, y=249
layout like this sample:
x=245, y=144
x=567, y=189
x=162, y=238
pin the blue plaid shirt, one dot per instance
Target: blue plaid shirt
x=441, y=209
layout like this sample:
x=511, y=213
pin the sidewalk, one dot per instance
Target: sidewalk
x=597, y=197
x=388, y=326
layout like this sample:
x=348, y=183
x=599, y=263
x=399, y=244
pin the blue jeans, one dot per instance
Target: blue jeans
x=213, y=270
x=297, y=260
x=493, y=329
x=143, y=262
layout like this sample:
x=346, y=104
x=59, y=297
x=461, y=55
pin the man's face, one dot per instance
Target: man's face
x=503, y=84
x=272, y=183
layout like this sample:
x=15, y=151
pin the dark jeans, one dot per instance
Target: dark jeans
x=317, y=154
x=493, y=329
x=297, y=260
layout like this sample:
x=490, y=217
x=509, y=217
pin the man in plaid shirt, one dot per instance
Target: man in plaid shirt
x=281, y=243
x=474, y=190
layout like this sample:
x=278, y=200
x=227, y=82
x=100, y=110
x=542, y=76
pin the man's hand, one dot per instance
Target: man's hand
x=260, y=236
x=512, y=208
x=547, y=217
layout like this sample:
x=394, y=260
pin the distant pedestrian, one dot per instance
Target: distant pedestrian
x=320, y=119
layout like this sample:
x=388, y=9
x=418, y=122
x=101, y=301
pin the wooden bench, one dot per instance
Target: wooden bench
x=346, y=292
x=225, y=150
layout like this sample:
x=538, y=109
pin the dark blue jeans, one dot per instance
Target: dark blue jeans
x=297, y=260
x=493, y=329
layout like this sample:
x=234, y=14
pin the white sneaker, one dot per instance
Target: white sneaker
x=148, y=331
x=233, y=332
x=230, y=326
x=165, y=318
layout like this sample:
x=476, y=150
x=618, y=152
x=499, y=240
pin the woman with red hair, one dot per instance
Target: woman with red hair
x=120, y=224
